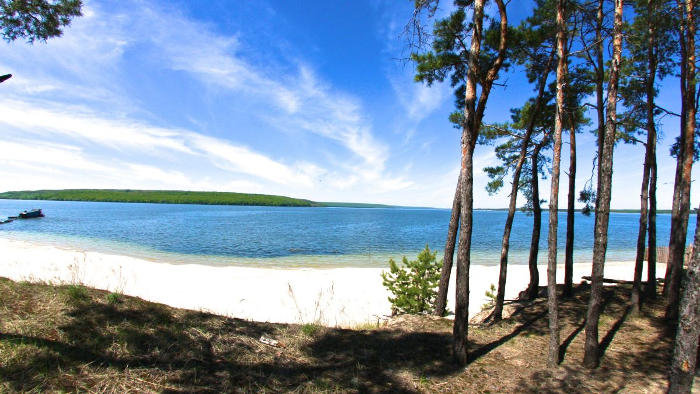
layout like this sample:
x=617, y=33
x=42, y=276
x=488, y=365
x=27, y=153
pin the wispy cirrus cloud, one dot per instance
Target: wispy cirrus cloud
x=119, y=135
x=299, y=98
x=72, y=92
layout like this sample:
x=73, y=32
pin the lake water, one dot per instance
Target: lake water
x=281, y=236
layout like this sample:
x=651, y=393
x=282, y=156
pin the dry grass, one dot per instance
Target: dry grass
x=69, y=338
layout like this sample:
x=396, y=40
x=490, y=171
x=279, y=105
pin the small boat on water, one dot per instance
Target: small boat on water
x=34, y=213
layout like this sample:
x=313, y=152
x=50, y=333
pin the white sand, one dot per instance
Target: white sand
x=333, y=297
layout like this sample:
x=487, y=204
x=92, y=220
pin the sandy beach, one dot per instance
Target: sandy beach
x=344, y=297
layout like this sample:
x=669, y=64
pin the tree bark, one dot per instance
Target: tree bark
x=641, y=235
x=602, y=214
x=651, y=260
x=534, y=286
x=679, y=218
x=441, y=299
x=497, y=314
x=552, y=305
x=600, y=78
x=685, y=351
x=473, y=116
x=651, y=139
x=675, y=218
x=651, y=148
x=466, y=178
x=570, y=212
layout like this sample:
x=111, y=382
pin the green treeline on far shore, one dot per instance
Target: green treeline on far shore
x=173, y=197
x=158, y=196
x=194, y=197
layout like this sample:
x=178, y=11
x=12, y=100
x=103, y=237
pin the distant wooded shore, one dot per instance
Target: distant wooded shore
x=174, y=197
x=205, y=198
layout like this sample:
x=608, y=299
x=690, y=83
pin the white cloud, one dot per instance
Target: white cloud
x=126, y=136
x=79, y=123
x=305, y=102
x=73, y=121
x=417, y=99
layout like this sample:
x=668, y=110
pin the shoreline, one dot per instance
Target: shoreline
x=338, y=296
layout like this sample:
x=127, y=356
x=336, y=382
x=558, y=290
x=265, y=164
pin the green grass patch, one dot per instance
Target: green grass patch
x=309, y=329
x=113, y=298
x=76, y=293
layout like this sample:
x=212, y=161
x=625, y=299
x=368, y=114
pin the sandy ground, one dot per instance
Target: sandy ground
x=333, y=297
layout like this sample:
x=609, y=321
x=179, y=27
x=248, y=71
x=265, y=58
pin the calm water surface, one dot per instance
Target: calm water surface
x=294, y=236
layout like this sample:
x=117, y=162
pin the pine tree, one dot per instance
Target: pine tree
x=649, y=47
x=414, y=283
x=36, y=20
x=602, y=212
x=466, y=67
x=530, y=44
x=686, y=147
x=685, y=351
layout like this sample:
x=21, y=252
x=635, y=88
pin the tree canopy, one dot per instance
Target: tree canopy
x=36, y=20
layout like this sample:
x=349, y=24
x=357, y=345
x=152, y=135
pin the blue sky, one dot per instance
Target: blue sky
x=306, y=100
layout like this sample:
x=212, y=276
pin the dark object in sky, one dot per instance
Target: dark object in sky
x=34, y=213
x=5, y=77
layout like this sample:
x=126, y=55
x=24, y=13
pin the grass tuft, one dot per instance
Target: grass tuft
x=77, y=293
x=309, y=329
x=113, y=298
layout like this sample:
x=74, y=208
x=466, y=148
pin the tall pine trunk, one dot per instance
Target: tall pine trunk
x=552, y=305
x=685, y=351
x=602, y=212
x=641, y=235
x=473, y=116
x=497, y=314
x=466, y=178
x=505, y=241
x=570, y=212
x=599, y=80
x=441, y=299
x=651, y=147
x=533, y=287
x=651, y=141
x=459, y=330
x=651, y=260
x=679, y=217
x=675, y=214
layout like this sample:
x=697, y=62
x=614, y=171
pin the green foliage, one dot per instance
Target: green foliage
x=448, y=56
x=587, y=196
x=114, y=298
x=414, y=283
x=158, y=196
x=36, y=19
x=491, y=295
x=76, y=293
x=309, y=329
x=175, y=197
x=663, y=18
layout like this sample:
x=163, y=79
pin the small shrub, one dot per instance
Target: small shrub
x=77, y=293
x=114, y=298
x=309, y=329
x=414, y=284
x=491, y=295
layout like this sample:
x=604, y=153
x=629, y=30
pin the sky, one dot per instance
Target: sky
x=307, y=100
